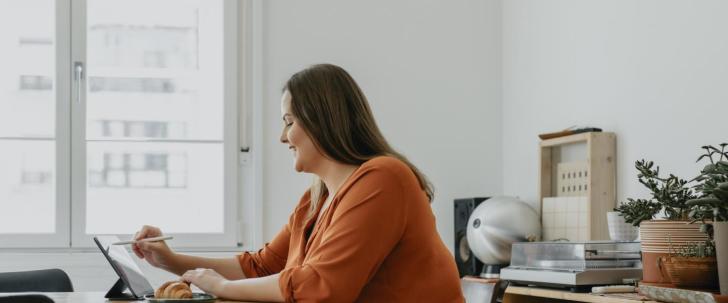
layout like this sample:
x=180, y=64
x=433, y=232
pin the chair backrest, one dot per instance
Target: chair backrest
x=46, y=280
x=29, y=298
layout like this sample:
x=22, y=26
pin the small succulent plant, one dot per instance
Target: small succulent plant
x=669, y=194
x=713, y=186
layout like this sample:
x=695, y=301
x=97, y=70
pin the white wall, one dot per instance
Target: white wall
x=654, y=72
x=431, y=71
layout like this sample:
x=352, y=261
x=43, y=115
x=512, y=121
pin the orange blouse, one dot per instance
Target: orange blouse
x=376, y=242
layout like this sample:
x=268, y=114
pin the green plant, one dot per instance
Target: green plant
x=713, y=186
x=693, y=249
x=669, y=194
x=636, y=211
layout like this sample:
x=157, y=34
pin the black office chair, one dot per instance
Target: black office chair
x=46, y=280
x=29, y=298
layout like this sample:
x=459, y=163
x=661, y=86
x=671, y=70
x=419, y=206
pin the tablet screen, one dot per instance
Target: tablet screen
x=124, y=266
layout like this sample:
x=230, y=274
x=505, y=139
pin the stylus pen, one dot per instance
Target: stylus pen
x=155, y=239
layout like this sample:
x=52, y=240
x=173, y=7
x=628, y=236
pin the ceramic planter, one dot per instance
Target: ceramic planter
x=720, y=234
x=656, y=236
x=620, y=230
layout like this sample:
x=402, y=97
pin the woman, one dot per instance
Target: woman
x=363, y=232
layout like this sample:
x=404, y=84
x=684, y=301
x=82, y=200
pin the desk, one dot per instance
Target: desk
x=515, y=294
x=86, y=297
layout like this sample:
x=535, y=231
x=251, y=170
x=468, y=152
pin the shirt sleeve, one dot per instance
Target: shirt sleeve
x=366, y=225
x=270, y=259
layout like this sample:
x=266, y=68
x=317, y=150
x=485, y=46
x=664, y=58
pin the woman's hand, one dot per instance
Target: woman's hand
x=206, y=279
x=158, y=254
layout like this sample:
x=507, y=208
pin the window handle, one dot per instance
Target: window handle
x=78, y=77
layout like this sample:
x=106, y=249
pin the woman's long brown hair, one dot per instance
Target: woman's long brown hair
x=334, y=112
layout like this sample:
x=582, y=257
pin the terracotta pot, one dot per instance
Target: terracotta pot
x=656, y=236
x=651, y=271
x=720, y=234
x=691, y=272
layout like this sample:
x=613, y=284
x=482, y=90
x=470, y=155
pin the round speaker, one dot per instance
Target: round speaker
x=498, y=222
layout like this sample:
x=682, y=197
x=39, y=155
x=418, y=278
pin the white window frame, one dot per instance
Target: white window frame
x=71, y=141
x=62, y=236
x=251, y=94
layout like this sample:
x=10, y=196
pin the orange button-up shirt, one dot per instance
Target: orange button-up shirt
x=376, y=242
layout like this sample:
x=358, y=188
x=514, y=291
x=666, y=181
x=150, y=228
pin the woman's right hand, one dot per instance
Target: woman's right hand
x=158, y=254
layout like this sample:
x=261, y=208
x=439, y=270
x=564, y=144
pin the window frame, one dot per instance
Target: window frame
x=62, y=235
x=70, y=140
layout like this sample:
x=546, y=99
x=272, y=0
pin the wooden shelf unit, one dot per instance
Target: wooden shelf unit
x=602, y=171
x=516, y=294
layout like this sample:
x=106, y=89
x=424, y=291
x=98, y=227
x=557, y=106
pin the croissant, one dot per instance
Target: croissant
x=173, y=290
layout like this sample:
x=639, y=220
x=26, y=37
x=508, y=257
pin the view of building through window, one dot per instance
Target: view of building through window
x=154, y=116
x=27, y=117
x=154, y=110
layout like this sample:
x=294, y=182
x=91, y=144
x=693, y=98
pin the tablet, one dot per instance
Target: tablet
x=130, y=275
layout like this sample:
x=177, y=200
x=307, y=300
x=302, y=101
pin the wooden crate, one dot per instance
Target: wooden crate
x=565, y=217
x=601, y=176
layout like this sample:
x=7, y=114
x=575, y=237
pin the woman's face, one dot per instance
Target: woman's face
x=305, y=155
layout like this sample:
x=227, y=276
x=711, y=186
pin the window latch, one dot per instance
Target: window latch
x=78, y=76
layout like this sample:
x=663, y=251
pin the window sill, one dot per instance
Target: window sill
x=39, y=250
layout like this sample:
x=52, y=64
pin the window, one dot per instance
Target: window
x=29, y=204
x=140, y=170
x=35, y=82
x=131, y=130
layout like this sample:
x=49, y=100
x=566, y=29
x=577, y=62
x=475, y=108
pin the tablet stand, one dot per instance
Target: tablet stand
x=117, y=292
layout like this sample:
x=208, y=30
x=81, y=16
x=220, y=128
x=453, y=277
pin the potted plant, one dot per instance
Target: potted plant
x=669, y=196
x=712, y=205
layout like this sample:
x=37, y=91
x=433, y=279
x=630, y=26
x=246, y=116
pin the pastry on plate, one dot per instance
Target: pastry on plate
x=173, y=290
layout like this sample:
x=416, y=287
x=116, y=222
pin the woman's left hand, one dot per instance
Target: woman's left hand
x=206, y=279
